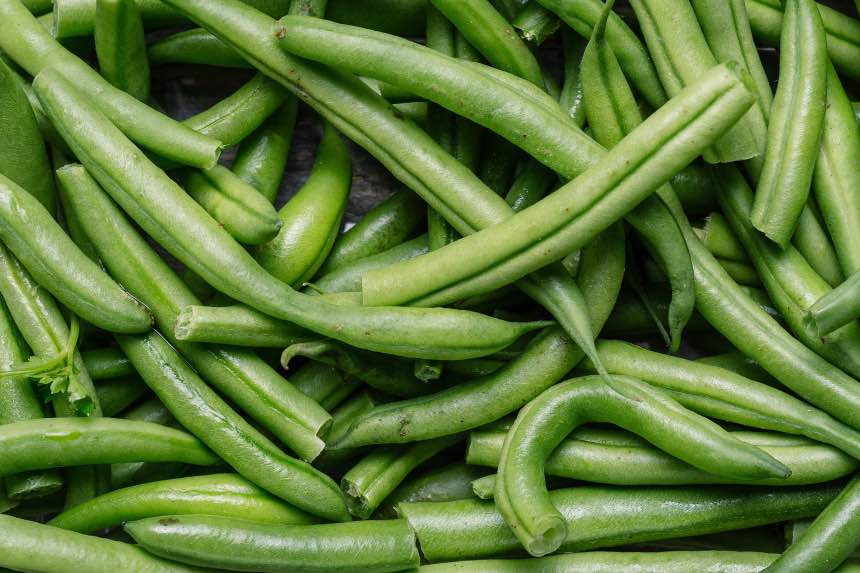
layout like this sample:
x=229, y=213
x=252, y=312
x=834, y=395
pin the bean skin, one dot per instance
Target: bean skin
x=448, y=483
x=195, y=46
x=26, y=545
x=106, y=363
x=227, y=495
x=836, y=308
x=324, y=384
x=56, y=262
x=358, y=547
x=121, y=47
x=552, y=415
x=606, y=516
x=118, y=394
x=720, y=240
x=238, y=325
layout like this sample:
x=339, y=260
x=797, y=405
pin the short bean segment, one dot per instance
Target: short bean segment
x=836, y=308
x=829, y=540
x=35, y=546
x=588, y=459
x=542, y=424
x=719, y=393
x=437, y=333
x=227, y=495
x=240, y=374
x=796, y=123
x=607, y=516
x=31, y=46
x=363, y=546
x=121, y=47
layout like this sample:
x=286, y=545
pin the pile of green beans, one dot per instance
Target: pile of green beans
x=600, y=314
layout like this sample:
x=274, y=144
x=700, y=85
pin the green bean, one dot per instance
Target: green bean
x=38, y=7
x=742, y=273
x=809, y=461
x=790, y=281
x=571, y=91
x=347, y=277
x=836, y=308
x=530, y=186
x=715, y=392
x=582, y=15
x=527, y=507
x=813, y=242
x=835, y=182
x=18, y=401
x=739, y=363
x=720, y=240
x=360, y=547
x=26, y=545
x=23, y=158
x=379, y=473
x=843, y=32
x=829, y=540
x=241, y=375
x=612, y=113
x=27, y=43
x=251, y=454
x=342, y=417
x=56, y=262
x=401, y=17
x=227, y=495
x=535, y=23
x=506, y=250
x=106, y=363
x=123, y=475
x=243, y=211
x=116, y=395
x=386, y=373
x=311, y=219
x=795, y=529
x=237, y=325
x=797, y=120
x=121, y=47
x=448, y=483
x=605, y=516
x=314, y=8
x=498, y=163
x=262, y=156
x=493, y=36
x=384, y=227
x=62, y=442
x=195, y=46
x=411, y=332
x=239, y=114
x=324, y=384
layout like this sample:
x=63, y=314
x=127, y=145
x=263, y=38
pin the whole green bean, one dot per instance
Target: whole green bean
x=27, y=43
x=227, y=495
x=58, y=264
x=311, y=219
x=448, y=483
x=635, y=464
x=605, y=516
x=384, y=227
x=719, y=393
x=527, y=507
x=118, y=394
x=251, y=454
x=241, y=375
x=359, y=547
x=796, y=123
x=121, y=47
x=829, y=540
x=835, y=183
x=843, y=32
x=416, y=333
x=378, y=474
x=62, y=442
x=243, y=211
x=37, y=547
x=106, y=363
x=509, y=251
x=195, y=46
x=23, y=158
x=262, y=156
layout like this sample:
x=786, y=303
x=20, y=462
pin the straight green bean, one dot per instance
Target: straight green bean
x=121, y=47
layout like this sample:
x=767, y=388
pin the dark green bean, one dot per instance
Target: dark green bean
x=498, y=163
x=121, y=47
x=196, y=46
x=830, y=539
x=106, y=363
x=324, y=384
x=26, y=42
x=118, y=394
x=331, y=461
x=401, y=17
x=606, y=516
x=448, y=483
x=38, y=7
x=123, y=475
x=26, y=545
x=227, y=495
x=262, y=156
x=571, y=91
x=535, y=23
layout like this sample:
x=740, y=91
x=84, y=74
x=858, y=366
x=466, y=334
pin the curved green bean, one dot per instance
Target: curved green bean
x=244, y=212
x=311, y=219
x=796, y=124
x=606, y=516
x=121, y=47
x=27, y=43
x=359, y=547
x=520, y=493
x=262, y=156
x=227, y=495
